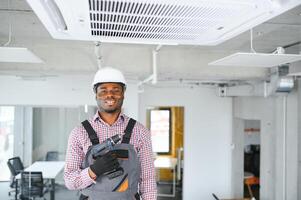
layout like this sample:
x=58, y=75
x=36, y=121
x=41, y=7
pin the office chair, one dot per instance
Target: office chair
x=15, y=166
x=52, y=156
x=32, y=185
x=215, y=197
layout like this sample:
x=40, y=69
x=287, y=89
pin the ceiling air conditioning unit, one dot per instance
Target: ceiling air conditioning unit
x=188, y=22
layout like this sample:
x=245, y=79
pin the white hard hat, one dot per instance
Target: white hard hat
x=108, y=75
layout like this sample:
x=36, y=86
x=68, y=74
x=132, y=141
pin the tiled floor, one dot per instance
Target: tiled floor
x=64, y=194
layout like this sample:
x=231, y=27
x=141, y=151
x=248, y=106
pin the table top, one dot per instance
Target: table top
x=49, y=169
x=165, y=162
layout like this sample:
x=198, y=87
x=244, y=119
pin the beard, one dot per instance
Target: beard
x=114, y=109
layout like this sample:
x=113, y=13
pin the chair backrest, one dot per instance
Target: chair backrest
x=31, y=184
x=215, y=197
x=52, y=156
x=15, y=165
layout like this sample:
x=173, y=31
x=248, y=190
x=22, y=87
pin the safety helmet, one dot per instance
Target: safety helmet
x=108, y=75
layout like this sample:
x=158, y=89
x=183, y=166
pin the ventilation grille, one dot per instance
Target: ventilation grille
x=168, y=22
x=150, y=20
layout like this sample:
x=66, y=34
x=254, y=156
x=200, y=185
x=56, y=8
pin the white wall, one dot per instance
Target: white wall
x=270, y=112
x=291, y=159
x=299, y=138
x=259, y=108
x=207, y=137
x=292, y=147
x=237, y=156
x=64, y=90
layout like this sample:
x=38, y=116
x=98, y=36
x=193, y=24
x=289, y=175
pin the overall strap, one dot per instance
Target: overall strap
x=128, y=131
x=91, y=132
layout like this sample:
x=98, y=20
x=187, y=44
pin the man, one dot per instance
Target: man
x=91, y=177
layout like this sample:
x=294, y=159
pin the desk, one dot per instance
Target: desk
x=167, y=163
x=49, y=169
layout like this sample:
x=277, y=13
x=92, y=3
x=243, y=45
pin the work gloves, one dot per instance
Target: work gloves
x=104, y=164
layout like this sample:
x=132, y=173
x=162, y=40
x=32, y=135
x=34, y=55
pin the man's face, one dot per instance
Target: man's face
x=109, y=97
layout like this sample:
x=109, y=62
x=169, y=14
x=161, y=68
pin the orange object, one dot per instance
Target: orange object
x=124, y=186
x=251, y=181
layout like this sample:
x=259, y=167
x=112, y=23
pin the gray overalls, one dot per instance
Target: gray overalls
x=123, y=187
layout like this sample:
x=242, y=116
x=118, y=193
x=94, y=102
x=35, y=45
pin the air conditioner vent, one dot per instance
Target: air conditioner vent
x=189, y=22
x=152, y=20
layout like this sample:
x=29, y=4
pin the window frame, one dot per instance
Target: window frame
x=169, y=132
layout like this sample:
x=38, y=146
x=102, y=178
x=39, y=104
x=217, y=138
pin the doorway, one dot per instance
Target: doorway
x=251, y=166
x=167, y=125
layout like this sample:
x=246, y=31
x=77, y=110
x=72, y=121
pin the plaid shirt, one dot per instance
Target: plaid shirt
x=77, y=178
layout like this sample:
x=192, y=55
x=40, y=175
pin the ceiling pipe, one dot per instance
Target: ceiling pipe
x=153, y=77
x=9, y=26
x=155, y=74
x=98, y=54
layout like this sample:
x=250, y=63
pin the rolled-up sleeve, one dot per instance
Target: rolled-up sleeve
x=75, y=177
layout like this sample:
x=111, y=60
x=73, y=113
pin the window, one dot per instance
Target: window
x=6, y=139
x=160, y=126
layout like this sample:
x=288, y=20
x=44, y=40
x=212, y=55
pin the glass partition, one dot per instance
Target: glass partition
x=6, y=139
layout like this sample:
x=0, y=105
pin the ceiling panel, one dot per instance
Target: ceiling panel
x=175, y=62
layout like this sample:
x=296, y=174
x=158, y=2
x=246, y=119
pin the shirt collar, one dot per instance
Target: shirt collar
x=119, y=120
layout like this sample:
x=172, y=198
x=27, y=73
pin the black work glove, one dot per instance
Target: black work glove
x=105, y=163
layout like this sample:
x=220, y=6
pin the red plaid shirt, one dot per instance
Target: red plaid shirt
x=79, y=142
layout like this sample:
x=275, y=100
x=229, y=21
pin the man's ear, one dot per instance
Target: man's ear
x=95, y=87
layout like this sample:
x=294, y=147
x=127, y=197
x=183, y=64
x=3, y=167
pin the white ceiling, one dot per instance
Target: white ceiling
x=174, y=62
